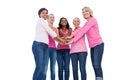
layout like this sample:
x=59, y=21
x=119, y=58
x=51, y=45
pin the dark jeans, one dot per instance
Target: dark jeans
x=96, y=58
x=81, y=57
x=63, y=60
x=52, y=55
x=39, y=50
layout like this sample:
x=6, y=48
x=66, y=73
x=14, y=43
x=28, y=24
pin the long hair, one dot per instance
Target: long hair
x=60, y=26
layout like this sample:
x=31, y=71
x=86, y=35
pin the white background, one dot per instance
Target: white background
x=17, y=27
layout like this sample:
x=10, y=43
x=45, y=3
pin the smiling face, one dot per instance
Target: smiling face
x=63, y=22
x=87, y=12
x=44, y=14
x=51, y=18
x=76, y=22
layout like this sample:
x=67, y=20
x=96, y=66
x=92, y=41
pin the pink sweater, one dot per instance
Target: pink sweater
x=92, y=31
x=60, y=46
x=79, y=45
x=51, y=40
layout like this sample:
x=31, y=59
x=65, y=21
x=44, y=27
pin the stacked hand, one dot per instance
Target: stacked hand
x=67, y=40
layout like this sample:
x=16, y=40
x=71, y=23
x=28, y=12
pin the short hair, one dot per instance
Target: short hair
x=89, y=10
x=76, y=18
x=40, y=10
x=49, y=16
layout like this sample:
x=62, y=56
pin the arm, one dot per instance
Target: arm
x=61, y=39
x=84, y=29
x=70, y=31
x=52, y=33
x=49, y=30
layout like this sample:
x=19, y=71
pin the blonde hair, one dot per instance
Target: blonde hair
x=49, y=16
x=86, y=8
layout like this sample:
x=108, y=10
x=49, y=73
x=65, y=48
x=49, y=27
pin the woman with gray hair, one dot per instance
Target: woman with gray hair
x=95, y=41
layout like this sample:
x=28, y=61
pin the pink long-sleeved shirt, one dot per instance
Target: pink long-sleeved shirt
x=92, y=31
x=79, y=45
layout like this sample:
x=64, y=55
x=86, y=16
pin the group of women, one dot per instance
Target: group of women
x=44, y=46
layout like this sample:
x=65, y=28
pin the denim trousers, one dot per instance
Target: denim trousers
x=52, y=56
x=96, y=58
x=63, y=60
x=39, y=50
x=81, y=57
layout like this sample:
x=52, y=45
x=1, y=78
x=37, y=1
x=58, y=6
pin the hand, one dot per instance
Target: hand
x=68, y=37
x=62, y=41
x=69, y=42
x=62, y=38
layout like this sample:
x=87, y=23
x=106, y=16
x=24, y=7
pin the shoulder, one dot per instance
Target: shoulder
x=70, y=29
x=40, y=20
x=93, y=19
x=55, y=29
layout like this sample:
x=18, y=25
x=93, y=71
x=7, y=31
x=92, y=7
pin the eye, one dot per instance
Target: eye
x=83, y=12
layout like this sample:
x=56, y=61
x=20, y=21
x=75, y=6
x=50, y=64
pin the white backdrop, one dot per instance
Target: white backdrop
x=17, y=25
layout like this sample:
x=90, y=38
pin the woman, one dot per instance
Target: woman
x=95, y=41
x=78, y=52
x=40, y=43
x=51, y=53
x=63, y=56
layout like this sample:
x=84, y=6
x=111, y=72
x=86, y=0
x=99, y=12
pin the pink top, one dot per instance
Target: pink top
x=92, y=31
x=79, y=45
x=60, y=46
x=52, y=40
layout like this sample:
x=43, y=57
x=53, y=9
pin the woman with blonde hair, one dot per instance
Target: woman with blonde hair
x=51, y=52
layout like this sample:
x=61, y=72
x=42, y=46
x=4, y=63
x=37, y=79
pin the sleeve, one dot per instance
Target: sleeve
x=75, y=32
x=49, y=30
x=84, y=29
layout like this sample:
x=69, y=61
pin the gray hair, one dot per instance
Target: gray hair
x=76, y=18
x=89, y=10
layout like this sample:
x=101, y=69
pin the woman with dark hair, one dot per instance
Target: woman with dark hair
x=40, y=43
x=63, y=56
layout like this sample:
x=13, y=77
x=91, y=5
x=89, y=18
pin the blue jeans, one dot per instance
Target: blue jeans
x=96, y=58
x=81, y=57
x=39, y=50
x=63, y=60
x=52, y=55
